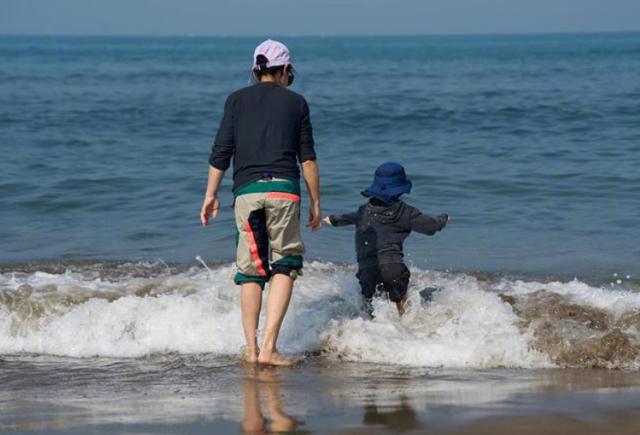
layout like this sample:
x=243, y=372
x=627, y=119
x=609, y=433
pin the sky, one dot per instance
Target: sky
x=314, y=17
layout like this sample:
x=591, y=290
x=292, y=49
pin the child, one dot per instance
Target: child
x=382, y=225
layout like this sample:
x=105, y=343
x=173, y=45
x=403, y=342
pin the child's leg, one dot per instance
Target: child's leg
x=396, y=282
x=368, y=279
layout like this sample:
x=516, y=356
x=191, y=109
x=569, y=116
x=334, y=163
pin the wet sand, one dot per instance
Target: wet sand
x=206, y=395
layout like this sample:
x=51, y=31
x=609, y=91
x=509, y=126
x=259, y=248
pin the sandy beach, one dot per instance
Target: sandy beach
x=204, y=395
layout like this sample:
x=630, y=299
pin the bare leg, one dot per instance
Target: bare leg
x=250, y=303
x=253, y=421
x=277, y=303
x=402, y=306
x=280, y=421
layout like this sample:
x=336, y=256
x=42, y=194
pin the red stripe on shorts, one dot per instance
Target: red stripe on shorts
x=283, y=195
x=253, y=247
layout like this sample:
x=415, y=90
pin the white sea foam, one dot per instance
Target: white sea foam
x=615, y=301
x=466, y=324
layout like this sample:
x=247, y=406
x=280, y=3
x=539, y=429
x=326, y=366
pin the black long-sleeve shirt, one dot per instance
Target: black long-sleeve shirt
x=381, y=230
x=266, y=129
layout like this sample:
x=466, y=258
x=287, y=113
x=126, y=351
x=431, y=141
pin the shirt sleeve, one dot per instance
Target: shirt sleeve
x=307, y=151
x=341, y=220
x=425, y=224
x=223, y=145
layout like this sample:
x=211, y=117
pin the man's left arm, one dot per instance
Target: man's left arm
x=219, y=161
x=211, y=203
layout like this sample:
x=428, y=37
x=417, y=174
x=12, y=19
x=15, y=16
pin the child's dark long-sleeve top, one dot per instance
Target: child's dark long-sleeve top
x=381, y=230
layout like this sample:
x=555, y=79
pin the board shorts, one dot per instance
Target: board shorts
x=392, y=279
x=268, y=238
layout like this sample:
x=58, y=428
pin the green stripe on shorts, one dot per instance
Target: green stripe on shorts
x=241, y=278
x=290, y=260
x=285, y=186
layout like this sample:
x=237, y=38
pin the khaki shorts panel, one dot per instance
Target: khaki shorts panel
x=283, y=226
x=244, y=205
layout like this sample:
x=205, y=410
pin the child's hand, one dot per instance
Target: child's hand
x=327, y=220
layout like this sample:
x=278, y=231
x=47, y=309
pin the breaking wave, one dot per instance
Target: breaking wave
x=461, y=320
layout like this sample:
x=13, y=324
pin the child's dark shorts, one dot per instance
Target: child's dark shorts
x=390, y=278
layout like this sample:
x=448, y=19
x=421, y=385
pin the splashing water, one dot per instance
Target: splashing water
x=137, y=309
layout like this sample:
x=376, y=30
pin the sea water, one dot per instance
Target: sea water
x=531, y=143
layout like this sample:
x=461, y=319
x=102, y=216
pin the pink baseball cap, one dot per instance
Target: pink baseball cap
x=276, y=52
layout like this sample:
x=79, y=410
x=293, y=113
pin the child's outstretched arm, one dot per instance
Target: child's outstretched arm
x=425, y=224
x=340, y=220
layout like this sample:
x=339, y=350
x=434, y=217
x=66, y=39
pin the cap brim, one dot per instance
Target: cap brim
x=293, y=68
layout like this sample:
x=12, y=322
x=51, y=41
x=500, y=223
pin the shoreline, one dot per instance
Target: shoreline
x=194, y=395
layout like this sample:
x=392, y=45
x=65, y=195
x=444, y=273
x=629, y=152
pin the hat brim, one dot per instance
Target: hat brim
x=376, y=190
x=254, y=68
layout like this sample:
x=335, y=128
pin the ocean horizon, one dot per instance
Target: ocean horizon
x=261, y=36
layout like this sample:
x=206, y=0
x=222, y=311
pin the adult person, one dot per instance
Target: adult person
x=266, y=129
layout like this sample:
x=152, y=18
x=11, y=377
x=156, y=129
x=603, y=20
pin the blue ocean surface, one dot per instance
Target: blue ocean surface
x=108, y=324
x=531, y=143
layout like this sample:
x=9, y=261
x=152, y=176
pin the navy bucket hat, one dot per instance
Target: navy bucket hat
x=389, y=182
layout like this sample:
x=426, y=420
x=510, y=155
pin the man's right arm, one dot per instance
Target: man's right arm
x=311, y=176
x=310, y=167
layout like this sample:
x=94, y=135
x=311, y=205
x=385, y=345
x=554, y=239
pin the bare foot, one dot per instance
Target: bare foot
x=283, y=423
x=251, y=356
x=274, y=359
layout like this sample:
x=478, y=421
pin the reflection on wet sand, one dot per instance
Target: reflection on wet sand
x=200, y=395
x=398, y=418
x=627, y=423
x=262, y=383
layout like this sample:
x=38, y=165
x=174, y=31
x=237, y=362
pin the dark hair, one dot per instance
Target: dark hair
x=262, y=69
